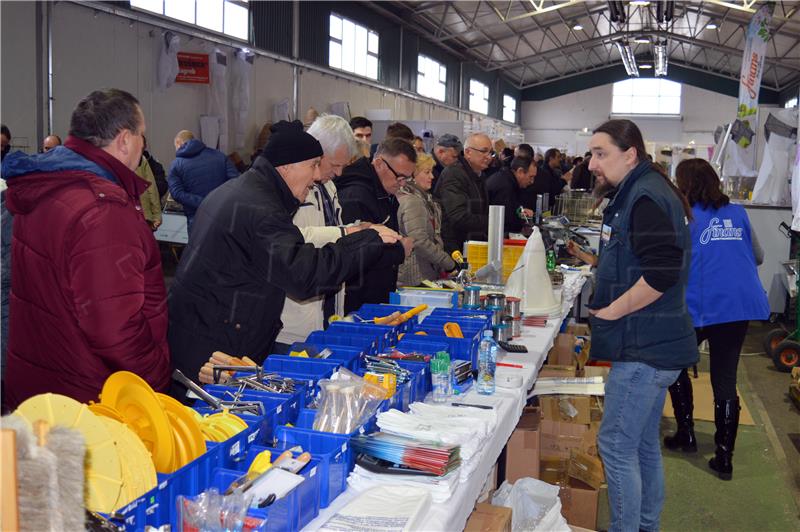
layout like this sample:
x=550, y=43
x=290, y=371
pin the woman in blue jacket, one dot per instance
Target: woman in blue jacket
x=724, y=293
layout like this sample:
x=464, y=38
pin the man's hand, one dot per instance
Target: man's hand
x=386, y=232
x=527, y=213
x=408, y=245
x=154, y=224
x=605, y=313
x=356, y=228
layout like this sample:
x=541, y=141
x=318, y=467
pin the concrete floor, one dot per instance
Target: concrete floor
x=765, y=491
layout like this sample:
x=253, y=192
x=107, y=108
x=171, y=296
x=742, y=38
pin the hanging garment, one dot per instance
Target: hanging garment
x=241, y=71
x=168, y=60
x=218, y=96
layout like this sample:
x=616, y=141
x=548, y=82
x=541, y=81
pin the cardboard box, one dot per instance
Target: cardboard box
x=579, y=329
x=553, y=470
x=595, y=371
x=523, y=447
x=489, y=486
x=586, y=468
x=567, y=408
x=559, y=438
x=563, y=351
x=488, y=518
x=558, y=371
x=579, y=504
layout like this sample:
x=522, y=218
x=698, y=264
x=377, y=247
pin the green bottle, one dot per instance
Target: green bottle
x=551, y=260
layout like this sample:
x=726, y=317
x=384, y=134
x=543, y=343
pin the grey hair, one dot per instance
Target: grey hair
x=333, y=132
x=473, y=137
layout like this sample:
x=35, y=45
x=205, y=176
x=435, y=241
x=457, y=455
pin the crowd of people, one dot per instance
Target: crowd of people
x=324, y=221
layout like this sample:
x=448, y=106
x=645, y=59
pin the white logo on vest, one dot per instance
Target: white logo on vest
x=724, y=231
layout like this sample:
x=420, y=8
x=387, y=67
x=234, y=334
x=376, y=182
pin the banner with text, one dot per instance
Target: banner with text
x=193, y=68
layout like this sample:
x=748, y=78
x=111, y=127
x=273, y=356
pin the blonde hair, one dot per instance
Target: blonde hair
x=424, y=162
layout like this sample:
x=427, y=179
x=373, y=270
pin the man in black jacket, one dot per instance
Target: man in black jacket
x=548, y=180
x=367, y=192
x=445, y=153
x=246, y=255
x=505, y=188
x=461, y=190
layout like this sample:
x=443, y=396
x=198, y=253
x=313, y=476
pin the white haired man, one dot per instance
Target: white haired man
x=319, y=219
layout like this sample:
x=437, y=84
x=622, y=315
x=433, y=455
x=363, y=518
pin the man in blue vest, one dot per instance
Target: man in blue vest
x=639, y=319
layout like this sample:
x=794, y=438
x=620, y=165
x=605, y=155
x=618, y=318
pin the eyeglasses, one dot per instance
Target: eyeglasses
x=486, y=152
x=399, y=177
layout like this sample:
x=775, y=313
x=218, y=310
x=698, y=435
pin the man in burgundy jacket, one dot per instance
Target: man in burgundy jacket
x=87, y=294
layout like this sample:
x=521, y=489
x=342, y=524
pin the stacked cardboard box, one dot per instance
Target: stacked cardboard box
x=488, y=518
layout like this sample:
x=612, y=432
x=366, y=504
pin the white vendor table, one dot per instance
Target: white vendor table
x=453, y=514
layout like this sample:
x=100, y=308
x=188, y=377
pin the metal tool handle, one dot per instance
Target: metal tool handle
x=201, y=393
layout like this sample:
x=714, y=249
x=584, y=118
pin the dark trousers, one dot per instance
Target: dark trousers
x=725, y=342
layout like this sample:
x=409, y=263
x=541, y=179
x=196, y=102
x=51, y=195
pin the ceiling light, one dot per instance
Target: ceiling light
x=712, y=25
x=640, y=3
x=642, y=40
x=628, y=59
x=661, y=60
x=646, y=66
x=577, y=26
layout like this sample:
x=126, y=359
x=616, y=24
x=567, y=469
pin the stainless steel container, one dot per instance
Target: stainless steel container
x=516, y=328
x=472, y=297
x=501, y=333
x=497, y=315
x=496, y=300
x=513, y=307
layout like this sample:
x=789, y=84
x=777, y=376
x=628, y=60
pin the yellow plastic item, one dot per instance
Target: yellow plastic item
x=404, y=317
x=386, y=320
x=457, y=257
x=301, y=354
x=453, y=330
x=138, y=404
x=138, y=471
x=478, y=256
x=106, y=411
x=421, y=333
x=225, y=424
x=261, y=463
x=186, y=430
x=103, y=468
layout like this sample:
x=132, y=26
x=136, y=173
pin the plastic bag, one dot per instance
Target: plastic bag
x=346, y=402
x=212, y=512
x=535, y=505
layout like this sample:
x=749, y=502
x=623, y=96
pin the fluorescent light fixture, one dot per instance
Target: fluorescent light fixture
x=640, y=3
x=646, y=66
x=661, y=60
x=642, y=40
x=577, y=26
x=628, y=59
x=712, y=25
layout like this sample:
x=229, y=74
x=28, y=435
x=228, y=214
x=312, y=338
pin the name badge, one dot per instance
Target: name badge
x=605, y=233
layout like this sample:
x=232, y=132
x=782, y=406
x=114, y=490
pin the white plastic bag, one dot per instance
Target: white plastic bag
x=534, y=505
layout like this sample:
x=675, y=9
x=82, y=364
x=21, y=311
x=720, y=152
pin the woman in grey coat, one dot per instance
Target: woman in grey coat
x=420, y=217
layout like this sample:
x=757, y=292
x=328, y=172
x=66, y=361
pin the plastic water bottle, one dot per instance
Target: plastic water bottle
x=439, y=379
x=487, y=358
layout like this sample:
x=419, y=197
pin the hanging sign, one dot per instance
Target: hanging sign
x=193, y=68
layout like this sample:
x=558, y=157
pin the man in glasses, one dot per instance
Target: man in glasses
x=367, y=192
x=461, y=189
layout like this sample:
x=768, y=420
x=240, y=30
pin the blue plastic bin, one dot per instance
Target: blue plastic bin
x=333, y=452
x=314, y=366
x=386, y=333
x=370, y=311
x=369, y=342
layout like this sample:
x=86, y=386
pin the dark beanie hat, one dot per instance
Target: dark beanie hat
x=290, y=144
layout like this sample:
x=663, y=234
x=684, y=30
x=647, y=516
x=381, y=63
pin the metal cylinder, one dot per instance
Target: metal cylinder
x=472, y=296
x=501, y=332
x=496, y=300
x=513, y=307
x=516, y=327
x=496, y=225
x=497, y=314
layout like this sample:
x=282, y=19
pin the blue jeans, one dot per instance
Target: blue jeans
x=630, y=447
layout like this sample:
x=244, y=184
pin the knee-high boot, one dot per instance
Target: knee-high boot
x=726, y=419
x=682, y=402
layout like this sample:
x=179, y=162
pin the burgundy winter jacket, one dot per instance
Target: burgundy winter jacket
x=87, y=295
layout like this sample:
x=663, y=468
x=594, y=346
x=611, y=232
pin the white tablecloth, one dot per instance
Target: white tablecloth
x=453, y=515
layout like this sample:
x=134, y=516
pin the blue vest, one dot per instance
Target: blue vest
x=661, y=334
x=723, y=283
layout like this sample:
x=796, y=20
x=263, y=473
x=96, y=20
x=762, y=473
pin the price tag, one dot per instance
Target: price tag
x=280, y=409
x=253, y=436
x=234, y=449
x=312, y=472
x=344, y=447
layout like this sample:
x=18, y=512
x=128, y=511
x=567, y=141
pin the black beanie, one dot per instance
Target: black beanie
x=290, y=144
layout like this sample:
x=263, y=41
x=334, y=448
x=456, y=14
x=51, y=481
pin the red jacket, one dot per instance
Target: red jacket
x=87, y=295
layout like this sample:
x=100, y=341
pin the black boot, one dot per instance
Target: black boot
x=681, y=394
x=726, y=419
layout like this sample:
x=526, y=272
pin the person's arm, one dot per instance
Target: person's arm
x=305, y=271
x=355, y=202
x=321, y=235
x=455, y=206
x=107, y=282
x=230, y=169
x=414, y=218
x=178, y=191
x=758, y=251
x=654, y=242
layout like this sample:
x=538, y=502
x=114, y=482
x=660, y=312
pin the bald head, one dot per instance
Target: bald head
x=478, y=151
x=50, y=142
x=183, y=137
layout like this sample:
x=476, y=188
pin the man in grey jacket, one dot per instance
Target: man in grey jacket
x=461, y=189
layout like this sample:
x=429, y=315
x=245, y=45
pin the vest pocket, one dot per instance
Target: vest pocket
x=607, y=338
x=609, y=259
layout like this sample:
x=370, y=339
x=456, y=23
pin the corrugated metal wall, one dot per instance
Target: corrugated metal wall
x=272, y=26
